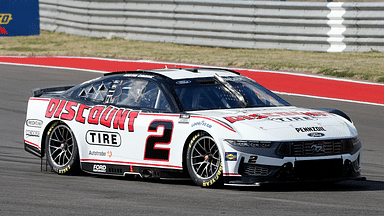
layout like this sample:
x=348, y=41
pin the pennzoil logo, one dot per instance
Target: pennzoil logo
x=231, y=156
x=5, y=19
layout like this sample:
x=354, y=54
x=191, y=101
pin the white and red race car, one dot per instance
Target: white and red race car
x=213, y=125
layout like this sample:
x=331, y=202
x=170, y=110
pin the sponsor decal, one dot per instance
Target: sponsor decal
x=34, y=123
x=99, y=168
x=230, y=156
x=109, y=153
x=233, y=119
x=202, y=123
x=4, y=20
x=130, y=75
x=233, y=79
x=309, y=129
x=278, y=116
x=103, y=138
x=146, y=76
x=291, y=119
x=315, y=134
x=138, y=75
x=98, y=153
x=182, y=82
x=184, y=119
x=32, y=133
x=107, y=116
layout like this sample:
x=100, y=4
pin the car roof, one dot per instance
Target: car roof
x=184, y=73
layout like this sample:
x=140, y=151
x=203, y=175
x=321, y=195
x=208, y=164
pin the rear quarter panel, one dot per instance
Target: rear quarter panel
x=35, y=122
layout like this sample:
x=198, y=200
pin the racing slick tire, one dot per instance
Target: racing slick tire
x=61, y=149
x=204, y=162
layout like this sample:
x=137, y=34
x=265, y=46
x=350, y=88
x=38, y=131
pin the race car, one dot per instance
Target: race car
x=213, y=125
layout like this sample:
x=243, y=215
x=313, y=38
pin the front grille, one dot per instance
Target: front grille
x=315, y=148
x=256, y=170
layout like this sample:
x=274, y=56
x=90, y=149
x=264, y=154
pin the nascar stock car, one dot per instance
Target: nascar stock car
x=212, y=125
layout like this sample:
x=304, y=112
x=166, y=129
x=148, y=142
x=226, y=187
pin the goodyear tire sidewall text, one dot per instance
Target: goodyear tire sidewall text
x=216, y=180
x=73, y=165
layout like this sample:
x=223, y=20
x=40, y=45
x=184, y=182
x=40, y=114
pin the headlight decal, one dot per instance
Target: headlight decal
x=249, y=143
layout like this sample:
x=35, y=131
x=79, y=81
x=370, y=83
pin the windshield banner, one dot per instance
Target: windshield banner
x=19, y=17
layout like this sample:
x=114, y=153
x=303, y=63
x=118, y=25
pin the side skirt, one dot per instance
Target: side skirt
x=123, y=170
x=33, y=150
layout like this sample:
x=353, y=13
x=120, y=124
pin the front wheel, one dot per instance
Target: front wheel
x=204, y=161
x=61, y=149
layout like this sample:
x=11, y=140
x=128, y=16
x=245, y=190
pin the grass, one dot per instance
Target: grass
x=361, y=66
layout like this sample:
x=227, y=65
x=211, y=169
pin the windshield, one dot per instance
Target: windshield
x=208, y=93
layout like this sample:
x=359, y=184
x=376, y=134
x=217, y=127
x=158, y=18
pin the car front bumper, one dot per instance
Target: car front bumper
x=331, y=169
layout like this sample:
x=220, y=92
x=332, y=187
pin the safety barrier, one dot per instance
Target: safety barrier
x=309, y=26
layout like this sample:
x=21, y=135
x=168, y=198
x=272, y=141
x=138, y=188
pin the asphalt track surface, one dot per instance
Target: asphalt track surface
x=25, y=190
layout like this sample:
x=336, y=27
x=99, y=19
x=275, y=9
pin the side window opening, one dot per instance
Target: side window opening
x=94, y=92
x=137, y=93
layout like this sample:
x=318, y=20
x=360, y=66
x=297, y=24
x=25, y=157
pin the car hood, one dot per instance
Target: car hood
x=283, y=123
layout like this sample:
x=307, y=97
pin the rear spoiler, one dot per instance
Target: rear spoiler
x=37, y=92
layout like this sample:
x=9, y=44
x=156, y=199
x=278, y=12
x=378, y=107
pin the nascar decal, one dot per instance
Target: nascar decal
x=107, y=116
x=272, y=116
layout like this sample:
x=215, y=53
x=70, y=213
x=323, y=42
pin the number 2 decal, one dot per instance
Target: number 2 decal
x=151, y=151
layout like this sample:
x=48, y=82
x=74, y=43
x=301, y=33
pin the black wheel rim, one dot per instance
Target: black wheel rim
x=205, y=157
x=61, y=145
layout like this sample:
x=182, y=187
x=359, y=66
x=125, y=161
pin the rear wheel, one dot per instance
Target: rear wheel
x=61, y=149
x=204, y=161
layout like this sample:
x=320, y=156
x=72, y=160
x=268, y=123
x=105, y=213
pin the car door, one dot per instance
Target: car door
x=147, y=138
